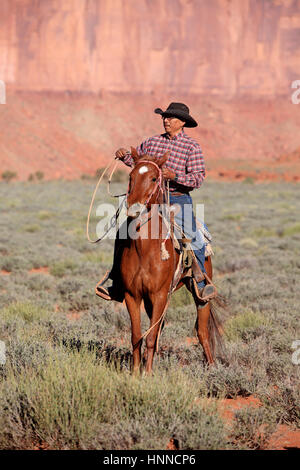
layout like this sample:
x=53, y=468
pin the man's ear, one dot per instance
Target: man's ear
x=161, y=161
x=134, y=155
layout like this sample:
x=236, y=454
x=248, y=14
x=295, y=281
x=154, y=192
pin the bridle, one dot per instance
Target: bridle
x=158, y=185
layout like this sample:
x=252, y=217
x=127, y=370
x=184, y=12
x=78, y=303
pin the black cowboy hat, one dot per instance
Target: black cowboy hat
x=179, y=110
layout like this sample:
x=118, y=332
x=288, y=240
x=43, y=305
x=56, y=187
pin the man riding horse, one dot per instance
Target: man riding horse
x=185, y=171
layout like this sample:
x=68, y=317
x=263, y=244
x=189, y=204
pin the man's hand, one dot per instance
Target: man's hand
x=121, y=153
x=168, y=174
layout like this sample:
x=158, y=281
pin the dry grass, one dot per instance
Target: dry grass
x=67, y=382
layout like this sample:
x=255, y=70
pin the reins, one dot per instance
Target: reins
x=158, y=185
x=115, y=217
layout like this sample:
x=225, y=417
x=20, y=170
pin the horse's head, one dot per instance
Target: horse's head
x=145, y=182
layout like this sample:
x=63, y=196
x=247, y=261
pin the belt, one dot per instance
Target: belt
x=179, y=194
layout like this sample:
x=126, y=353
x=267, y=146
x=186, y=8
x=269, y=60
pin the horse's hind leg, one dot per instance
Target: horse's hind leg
x=133, y=307
x=203, y=332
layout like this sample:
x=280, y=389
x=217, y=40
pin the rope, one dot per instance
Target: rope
x=114, y=219
x=109, y=181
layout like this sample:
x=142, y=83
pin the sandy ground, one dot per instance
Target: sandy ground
x=65, y=135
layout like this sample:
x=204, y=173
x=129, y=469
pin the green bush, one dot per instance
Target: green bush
x=70, y=401
x=244, y=323
x=8, y=175
x=60, y=268
x=253, y=428
x=37, y=176
x=27, y=311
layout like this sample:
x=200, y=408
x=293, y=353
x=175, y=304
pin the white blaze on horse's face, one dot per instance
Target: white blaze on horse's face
x=143, y=169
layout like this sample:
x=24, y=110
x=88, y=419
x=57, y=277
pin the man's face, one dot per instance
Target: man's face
x=172, y=124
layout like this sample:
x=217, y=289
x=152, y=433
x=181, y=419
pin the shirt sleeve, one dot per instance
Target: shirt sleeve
x=141, y=150
x=195, y=169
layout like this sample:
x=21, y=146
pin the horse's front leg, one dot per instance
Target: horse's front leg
x=133, y=306
x=154, y=308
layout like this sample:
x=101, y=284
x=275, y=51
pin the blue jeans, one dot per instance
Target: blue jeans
x=185, y=218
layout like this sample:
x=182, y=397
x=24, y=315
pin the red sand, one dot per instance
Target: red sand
x=42, y=269
x=66, y=136
x=284, y=437
x=4, y=273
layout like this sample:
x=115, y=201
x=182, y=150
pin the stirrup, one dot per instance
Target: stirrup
x=209, y=287
x=100, y=290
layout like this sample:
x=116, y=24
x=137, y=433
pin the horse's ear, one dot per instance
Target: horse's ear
x=163, y=159
x=134, y=154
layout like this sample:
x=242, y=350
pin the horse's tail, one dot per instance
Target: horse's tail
x=215, y=327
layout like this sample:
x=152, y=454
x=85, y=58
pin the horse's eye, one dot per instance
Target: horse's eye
x=154, y=179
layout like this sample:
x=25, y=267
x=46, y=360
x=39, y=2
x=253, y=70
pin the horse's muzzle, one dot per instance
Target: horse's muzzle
x=135, y=210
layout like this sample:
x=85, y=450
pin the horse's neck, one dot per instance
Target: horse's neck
x=152, y=230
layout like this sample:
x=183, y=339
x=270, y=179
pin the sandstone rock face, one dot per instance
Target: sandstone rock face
x=226, y=47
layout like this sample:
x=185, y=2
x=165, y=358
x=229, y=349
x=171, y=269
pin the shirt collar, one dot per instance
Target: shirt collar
x=176, y=137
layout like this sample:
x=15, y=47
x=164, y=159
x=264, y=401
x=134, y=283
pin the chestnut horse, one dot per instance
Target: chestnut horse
x=145, y=275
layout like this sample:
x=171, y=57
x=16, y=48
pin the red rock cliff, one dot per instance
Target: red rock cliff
x=227, y=47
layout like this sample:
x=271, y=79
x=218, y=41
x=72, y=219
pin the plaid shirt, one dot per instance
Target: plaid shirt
x=185, y=158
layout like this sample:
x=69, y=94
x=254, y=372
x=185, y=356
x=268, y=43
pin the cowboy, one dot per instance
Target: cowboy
x=185, y=171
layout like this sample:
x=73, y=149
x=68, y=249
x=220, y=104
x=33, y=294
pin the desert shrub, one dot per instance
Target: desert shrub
x=245, y=325
x=253, y=428
x=60, y=268
x=229, y=381
x=27, y=311
x=248, y=180
x=8, y=175
x=79, y=301
x=99, y=172
x=31, y=228
x=234, y=217
x=263, y=232
x=284, y=400
x=120, y=176
x=276, y=368
x=290, y=231
x=39, y=282
x=181, y=298
x=37, y=407
x=37, y=176
x=86, y=177
x=15, y=263
x=248, y=243
x=45, y=215
x=27, y=354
